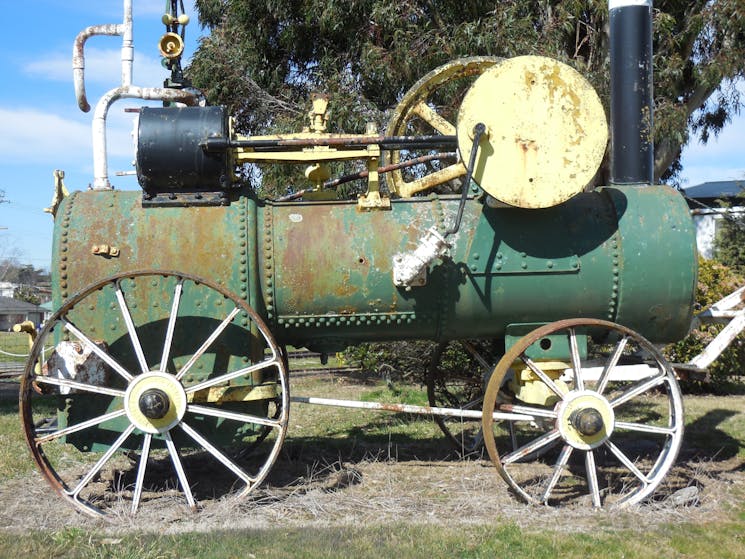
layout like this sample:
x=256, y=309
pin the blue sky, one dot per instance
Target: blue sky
x=42, y=129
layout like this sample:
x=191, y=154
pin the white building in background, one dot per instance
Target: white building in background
x=7, y=288
x=710, y=203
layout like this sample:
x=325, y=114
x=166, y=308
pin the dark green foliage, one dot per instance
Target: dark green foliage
x=393, y=360
x=264, y=58
x=730, y=245
x=730, y=240
x=714, y=282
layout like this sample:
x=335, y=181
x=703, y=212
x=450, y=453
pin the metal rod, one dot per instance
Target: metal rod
x=478, y=131
x=333, y=183
x=390, y=142
x=409, y=408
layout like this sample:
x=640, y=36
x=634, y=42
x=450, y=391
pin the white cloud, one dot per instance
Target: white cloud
x=102, y=67
x=48, y=139
x=37, y=135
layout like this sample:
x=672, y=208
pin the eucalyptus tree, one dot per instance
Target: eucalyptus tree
x=263, y=58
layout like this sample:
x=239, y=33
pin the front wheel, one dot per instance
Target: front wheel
x=603, y=427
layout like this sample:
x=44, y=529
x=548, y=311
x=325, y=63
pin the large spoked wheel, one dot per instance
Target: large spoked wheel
x=456, y=378
x=158, y=383
x=603, y=428
x=430, y=108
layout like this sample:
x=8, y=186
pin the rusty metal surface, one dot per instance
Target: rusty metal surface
x=206, y=241
x=322, y=271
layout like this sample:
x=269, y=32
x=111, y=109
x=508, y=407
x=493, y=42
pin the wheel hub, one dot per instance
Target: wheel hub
x=588, y=421
x=155, y=402
x=585, y=419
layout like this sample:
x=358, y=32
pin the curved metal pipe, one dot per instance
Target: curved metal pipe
x=78, y=53
x=78, y=58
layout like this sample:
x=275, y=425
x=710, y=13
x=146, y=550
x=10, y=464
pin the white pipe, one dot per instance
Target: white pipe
x=409, y=408
x=128, y=51
x=78, y=58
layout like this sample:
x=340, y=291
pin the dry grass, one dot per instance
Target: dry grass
x=357, y=468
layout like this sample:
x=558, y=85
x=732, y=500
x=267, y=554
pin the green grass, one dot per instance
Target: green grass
x=15, y=343
x=402, y=541
x=14, y=458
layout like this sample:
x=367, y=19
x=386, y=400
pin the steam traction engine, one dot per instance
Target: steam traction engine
x=174, y=303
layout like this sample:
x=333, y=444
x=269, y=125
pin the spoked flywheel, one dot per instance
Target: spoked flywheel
x=603, y=415
x=430, y=108
x=157, y=385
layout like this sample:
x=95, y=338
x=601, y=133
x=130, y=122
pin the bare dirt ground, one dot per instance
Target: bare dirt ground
x=320, y=481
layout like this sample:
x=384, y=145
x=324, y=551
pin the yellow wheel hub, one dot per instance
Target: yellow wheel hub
x=585, y=419
x=155, y=402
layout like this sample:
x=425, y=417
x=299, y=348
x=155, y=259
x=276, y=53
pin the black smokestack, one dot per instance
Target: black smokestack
x=631, y=100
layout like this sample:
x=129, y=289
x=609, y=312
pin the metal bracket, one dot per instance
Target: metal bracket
x=60, y=193
x=410, y=268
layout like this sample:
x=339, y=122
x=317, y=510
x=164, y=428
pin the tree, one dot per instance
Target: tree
x=262, y=59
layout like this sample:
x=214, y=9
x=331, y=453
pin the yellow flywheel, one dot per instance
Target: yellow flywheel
x=546, y=131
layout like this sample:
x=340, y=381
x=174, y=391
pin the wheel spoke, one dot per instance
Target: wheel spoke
x=513, y=435
x=185, y=487
x=637, y=389
x=79, y=426
x=433, y=179
x=141, y=472
x=476, y=355
x=171, y=325
x=561, y=463
x=579, y=383
x=131, y=327
x=592, y=478
x=101, y=462
x=97, y=350
x=230, y=376
x=541, y=375
x=626, y=462
x=224, y=460
x=235, y=416
x=67, y=383
x=208, y=342
x=641, y=428
x=611, y=364
x=525, y=450
x=530, y=411
x=433, y=118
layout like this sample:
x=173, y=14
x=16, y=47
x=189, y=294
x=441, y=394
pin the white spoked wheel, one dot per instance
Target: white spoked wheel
x=603, y=428
x=158, y=383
